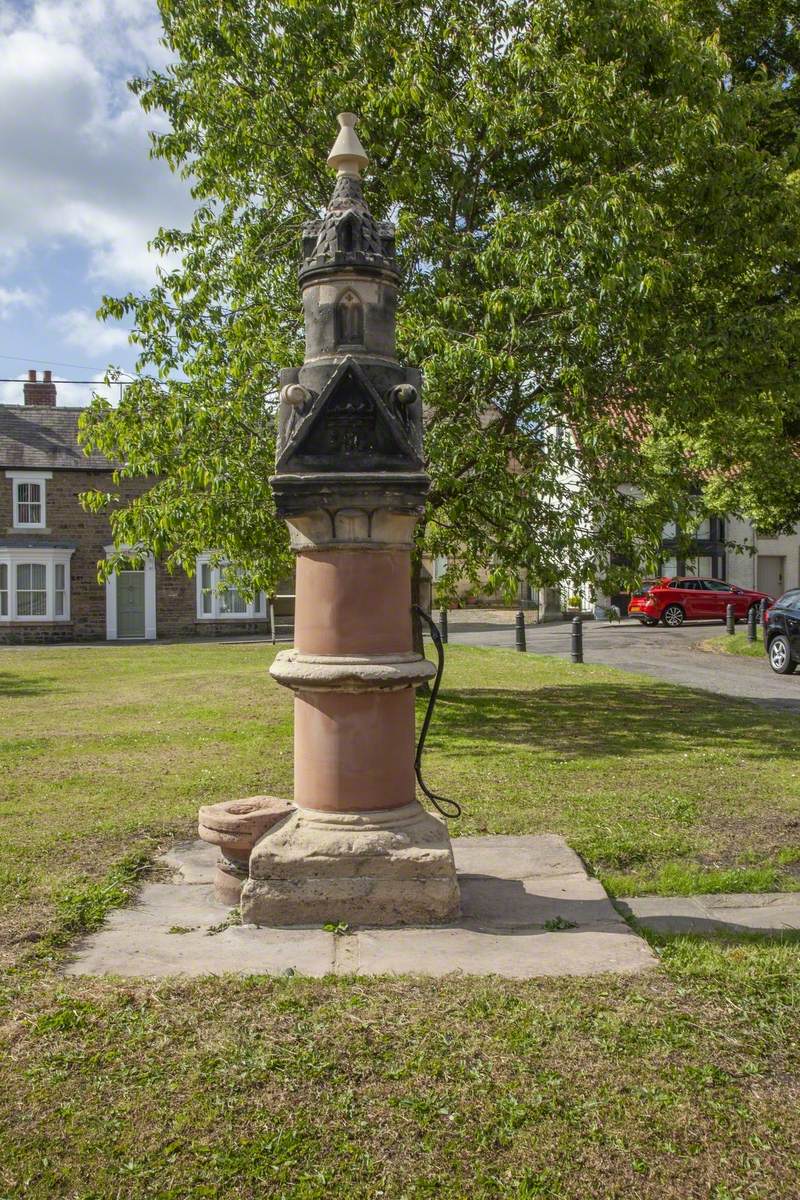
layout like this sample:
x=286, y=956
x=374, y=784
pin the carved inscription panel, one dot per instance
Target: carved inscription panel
x=349, y=424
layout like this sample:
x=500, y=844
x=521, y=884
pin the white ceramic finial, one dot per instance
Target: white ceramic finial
x=348, y=155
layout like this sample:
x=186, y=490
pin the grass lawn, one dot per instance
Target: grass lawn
x=107, y=752
x=738, y=644
x=683, y=1083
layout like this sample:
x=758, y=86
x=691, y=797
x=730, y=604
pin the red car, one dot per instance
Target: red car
x=687, y=598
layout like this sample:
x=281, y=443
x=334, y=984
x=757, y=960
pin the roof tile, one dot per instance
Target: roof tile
x=41, y=438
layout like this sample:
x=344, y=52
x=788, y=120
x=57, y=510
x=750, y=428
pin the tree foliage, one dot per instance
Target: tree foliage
x=598, y=225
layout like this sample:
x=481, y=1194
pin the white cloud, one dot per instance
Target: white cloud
x=12, y=298
x=80, y=327
x=68, y=394
x=11, y=393
x=73, y=140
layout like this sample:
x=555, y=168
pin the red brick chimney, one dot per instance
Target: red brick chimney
x=40, y=394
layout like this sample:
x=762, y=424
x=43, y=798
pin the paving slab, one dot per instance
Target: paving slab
x=516, y=857
x=517, y=955
x=770, y=912
x=192, y=862
x=529, y=909
x=666, y=914
x=185, y=905
x=488, y=902
x=751, y=900
x=242, y=950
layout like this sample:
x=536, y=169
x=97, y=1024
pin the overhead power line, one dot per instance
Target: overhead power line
x=93, y=382
x=50, y=362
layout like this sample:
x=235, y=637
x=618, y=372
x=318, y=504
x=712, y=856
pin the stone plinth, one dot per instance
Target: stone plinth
x=385, y=867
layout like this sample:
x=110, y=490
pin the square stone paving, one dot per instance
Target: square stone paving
x=744, y=912
x=528, y=909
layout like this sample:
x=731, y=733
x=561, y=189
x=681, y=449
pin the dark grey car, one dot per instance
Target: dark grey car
x=782, y=633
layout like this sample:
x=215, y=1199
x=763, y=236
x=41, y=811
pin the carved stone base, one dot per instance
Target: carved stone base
x=392, y=867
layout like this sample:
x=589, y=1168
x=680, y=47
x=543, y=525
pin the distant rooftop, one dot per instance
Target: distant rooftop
x=37, y=435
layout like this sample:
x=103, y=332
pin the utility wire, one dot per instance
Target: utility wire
x=56, y=382
x=50, y=362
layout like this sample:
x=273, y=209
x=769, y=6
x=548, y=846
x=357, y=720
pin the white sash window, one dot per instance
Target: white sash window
x=218, y=598
x=34, y=584
x=30, y=496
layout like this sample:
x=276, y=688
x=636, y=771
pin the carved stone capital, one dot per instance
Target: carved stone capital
x=331, y=529
x=375, y=511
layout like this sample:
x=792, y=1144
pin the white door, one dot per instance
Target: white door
x=769, y=573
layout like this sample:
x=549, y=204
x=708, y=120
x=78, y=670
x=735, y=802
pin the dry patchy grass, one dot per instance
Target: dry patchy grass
x=679, y=1085
x=666, y=1088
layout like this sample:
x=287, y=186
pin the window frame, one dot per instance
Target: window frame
x=20, y=478
x=48, y=557
x=255, y=609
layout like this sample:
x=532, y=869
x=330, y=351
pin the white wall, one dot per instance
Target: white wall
x=743, y=568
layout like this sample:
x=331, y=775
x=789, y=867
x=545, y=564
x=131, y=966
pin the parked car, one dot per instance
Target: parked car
x=634, y=604
x=782, y=633
x=688, y=598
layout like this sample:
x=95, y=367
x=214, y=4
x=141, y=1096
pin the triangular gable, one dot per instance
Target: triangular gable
x=349, y=428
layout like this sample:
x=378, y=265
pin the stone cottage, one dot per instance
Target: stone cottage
x=50, y=547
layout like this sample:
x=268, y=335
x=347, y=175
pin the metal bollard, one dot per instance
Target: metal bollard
x=521, y=643
x=752, y=618
x=762, y=613
x=577, y=640
x=730, y=618
x=443, y=624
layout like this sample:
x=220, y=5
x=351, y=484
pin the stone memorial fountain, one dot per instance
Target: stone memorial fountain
x=350, y=483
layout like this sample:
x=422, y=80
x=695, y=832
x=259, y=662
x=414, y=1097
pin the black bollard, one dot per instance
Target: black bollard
x=730, y=618
x=762, y=613
x=577, y=640
x=521, y=643
x=443, y=624
x=752, y=618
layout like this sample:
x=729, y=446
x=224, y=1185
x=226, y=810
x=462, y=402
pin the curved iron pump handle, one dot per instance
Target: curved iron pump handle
x=448, y=808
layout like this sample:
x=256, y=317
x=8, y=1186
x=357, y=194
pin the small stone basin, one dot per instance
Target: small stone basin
x=235, y=826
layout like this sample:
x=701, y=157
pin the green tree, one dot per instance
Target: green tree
x=598, y=224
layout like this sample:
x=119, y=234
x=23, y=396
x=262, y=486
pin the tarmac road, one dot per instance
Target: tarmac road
x=667, y=654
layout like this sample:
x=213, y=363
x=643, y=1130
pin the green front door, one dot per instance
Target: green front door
x=130, y=604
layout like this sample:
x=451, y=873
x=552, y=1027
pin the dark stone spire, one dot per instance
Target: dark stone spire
x=348, y=234
x=351, y=411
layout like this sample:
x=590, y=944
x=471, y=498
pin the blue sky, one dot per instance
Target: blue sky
x=79, y=196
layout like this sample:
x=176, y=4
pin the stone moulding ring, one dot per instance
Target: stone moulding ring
x=350, y=673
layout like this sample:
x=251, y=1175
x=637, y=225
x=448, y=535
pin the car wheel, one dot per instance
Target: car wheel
x=673, y=616
x=780, y=658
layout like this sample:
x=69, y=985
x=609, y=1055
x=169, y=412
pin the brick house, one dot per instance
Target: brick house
x=50, y=547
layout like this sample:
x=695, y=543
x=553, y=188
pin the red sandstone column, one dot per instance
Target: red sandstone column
x=354, y=751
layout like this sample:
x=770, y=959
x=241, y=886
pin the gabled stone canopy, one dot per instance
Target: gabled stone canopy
x=348, y=426
x=350, y=418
